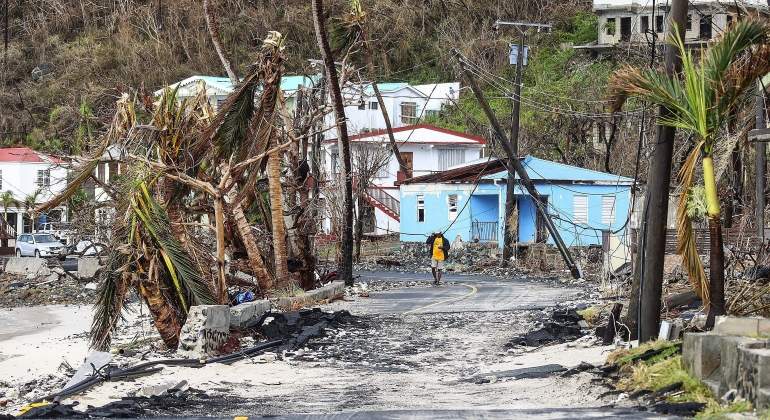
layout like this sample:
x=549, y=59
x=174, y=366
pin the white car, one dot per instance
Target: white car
x=61, y=230
x=38, y=245
x=88, y=247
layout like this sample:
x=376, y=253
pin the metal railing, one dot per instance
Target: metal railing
x=383, y=197
x=484, y=231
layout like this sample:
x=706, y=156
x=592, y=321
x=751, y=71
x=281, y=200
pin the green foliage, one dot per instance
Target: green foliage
x=696, y=203
x=582, y=29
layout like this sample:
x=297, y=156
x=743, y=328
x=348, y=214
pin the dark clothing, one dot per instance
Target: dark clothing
x=445, y=248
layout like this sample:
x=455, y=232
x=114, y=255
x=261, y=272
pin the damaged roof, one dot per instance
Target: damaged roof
x=25, y=155
x=538, y=170
x=418, y=133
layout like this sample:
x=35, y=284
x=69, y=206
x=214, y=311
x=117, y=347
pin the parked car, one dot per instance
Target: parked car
x=61, y=230
x=38, y=245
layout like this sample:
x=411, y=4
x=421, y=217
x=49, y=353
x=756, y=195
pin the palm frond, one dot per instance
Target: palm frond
x=110, y=303
x=687, y=245
x=187, y=280
x=229, y=130
x=730, y=44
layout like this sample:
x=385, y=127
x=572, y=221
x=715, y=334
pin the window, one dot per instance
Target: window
x=688, y=25
x=44, y=178
x=361, y=104
x=644, y=24
x=374, y=105
x=705, y=27
x=408, y=112
x=450, y=157
x=659, y=23
x=610, y=26
x=452, y=205
x=580, y=209
x=608, y=210
x=420, y=207
x=729, y=20
x=335, y=157
x=432, y=113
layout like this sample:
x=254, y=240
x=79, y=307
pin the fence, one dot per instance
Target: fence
x=484, y=231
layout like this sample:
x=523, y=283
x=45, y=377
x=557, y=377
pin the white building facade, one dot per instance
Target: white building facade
x=31, y=176
x=635, y=21
x=425, y=149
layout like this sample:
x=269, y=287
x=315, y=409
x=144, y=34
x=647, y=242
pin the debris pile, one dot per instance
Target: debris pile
x=54, y=289
x=564, y=325
x=297, y=328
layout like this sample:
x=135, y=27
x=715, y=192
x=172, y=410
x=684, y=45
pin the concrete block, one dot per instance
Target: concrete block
x=701, y=354
x=764, y=327
x=88, y=266
x=754, y=374
x=246, y=315
x=729, y=360
x=329, y=292
x=31, y=267
x=733, y=325
x=206, y=330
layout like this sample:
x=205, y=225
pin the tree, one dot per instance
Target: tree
x=213, y=26
x=7, y=200
x=30, y=201
x=701, y=103
x=346, y=268
x=368, y=161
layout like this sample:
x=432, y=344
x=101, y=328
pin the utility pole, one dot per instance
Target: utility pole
x=510, y=196
x=513, y=164
x=657, y=198
x=761, y=165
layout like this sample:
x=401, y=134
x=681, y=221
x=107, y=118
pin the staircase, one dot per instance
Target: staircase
x=382, y=200
x=6, y=232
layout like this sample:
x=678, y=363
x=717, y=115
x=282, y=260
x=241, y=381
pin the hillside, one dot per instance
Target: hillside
x=67, y=62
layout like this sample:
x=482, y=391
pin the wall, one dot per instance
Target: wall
x=719, y=20
x=21, y=180
x=560, y=198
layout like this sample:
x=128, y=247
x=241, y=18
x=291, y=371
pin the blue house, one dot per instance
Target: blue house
x=469, y=202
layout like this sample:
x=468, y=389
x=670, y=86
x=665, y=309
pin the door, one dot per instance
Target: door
x=24, y=245
x=625, y=29
x=408, y=158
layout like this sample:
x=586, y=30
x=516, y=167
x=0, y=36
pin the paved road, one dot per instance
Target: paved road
x=460, y=294
x=540, y=414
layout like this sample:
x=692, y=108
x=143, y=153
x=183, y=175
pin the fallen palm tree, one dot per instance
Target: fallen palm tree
x=188, y=178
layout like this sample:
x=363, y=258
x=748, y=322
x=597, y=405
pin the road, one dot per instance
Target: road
x=460, y=293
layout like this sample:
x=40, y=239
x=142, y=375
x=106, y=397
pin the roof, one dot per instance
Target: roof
x=25, y=155
x=418, y=133
x=223, y=85
x=537, y=169
x=440, y=91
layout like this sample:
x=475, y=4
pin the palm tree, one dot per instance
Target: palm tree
x=7, y=200
x=276, y=213
x=30, y=203
x=343, y=141
x=700, y=103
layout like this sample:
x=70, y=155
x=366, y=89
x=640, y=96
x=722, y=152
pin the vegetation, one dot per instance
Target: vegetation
x=701, y=104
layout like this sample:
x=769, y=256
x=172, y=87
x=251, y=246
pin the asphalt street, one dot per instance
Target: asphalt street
x=458, y=294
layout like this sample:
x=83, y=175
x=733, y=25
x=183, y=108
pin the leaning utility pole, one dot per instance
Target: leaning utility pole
x=510, y=196
x=514, y=165
x=657, y=198
x=343, y=142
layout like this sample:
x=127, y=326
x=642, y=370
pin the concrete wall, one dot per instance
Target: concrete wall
x=719, y=20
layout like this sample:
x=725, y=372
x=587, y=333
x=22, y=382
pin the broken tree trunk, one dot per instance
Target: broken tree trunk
x=276, y=214
x=213, y=26
x=612, y=324
x=256, y=262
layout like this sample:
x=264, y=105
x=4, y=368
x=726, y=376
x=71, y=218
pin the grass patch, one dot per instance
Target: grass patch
x=714, y=411
x=665, y=372
x=622, y=357
x=290, y=291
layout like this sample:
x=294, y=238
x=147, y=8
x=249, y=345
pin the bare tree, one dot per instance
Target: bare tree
x=368, y=162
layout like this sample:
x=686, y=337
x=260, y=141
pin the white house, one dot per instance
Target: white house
x=218, y=88
x=634, y=21
x=406, y=105
x=26, y=173
x=425, y=149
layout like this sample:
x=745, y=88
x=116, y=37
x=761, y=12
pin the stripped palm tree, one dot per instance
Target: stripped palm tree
x=701, y=102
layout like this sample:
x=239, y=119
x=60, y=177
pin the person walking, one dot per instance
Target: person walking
x=438, y=249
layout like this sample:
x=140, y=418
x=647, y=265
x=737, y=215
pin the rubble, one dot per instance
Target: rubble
x=17, y=290
x=563, y=325
x=205, y=331
x=297, y=328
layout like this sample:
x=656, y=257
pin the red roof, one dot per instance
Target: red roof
x=383, y=131
x=25, y=155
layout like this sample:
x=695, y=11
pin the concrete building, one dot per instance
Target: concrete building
x=588, y=207
x=31, y=176
x=635, y=21
x=425, y=150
